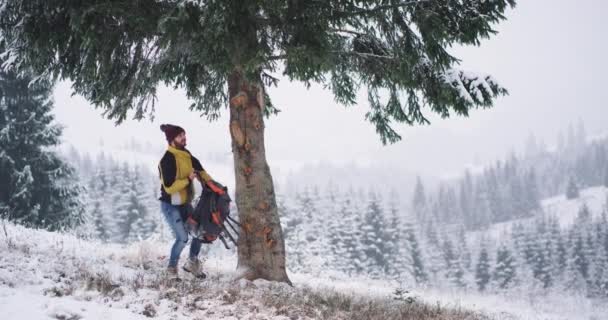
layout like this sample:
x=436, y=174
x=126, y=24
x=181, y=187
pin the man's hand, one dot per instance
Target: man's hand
x=193, y=175
x=215, y=188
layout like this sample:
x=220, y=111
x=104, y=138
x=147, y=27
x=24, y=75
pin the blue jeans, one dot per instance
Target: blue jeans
x=173, y=216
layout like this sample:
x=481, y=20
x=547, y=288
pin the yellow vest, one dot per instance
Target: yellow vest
x=182, y=190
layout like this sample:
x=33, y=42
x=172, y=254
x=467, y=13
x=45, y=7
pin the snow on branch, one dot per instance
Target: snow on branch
x=472, y=87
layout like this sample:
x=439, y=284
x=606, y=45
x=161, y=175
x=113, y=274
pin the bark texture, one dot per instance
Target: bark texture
x=261, y=250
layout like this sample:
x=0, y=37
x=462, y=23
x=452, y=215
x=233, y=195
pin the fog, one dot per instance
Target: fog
x=550, y=55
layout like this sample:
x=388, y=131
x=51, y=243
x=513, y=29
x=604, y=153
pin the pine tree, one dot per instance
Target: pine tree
x=482, y=270
x=556, y=245
x=327, y=222
x=584, y=215
x=581, y=134
x=505, y=268
x=481, y=212
x=118, y=54
x=516, y=197
x=532, y=194
x=291, y=223
x=353, y=233
x=452, y=210
x=606, y=176
x=299, y=232
x=417, y=260
x=434, y=252
x=119, y=194
x=572, y=189
x=466, y=200
x=96, y=203
x=419, y=200
x=38, y=188
x=141, y=223
x=532, y=147
x=541, y=266
x=463, y=248
x=338, y=236
x=601, y=247
x=394, y=236
x=577, y=264
x=455, y=268
x=374, y=238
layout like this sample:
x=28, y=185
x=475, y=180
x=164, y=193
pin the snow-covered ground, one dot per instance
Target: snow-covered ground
x=45, y=275
x=565, y=210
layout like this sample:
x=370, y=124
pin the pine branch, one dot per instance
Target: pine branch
x=366, y=55
x=279, y=57
x=363, y=11
x=337, y=30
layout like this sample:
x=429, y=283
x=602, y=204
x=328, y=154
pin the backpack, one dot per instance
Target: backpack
x=211, y=215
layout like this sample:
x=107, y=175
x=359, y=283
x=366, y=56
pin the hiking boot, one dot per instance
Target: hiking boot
x=171, y=273
x=194, y=267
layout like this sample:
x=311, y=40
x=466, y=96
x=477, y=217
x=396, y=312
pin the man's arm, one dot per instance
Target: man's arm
x=205, y=176
x=198, y=167
x=167, y=169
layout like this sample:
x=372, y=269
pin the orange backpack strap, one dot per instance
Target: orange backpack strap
x=215, y=188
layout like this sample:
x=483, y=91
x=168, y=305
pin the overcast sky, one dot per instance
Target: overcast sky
x=550, y=55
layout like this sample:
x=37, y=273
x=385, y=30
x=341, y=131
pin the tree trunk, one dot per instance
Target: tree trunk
x=261, y=250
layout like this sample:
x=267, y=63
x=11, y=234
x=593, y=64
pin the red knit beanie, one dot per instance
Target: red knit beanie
x=171, y=131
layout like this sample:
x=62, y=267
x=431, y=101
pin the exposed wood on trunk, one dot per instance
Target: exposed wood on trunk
x=261, y=250
x=238, y=100
x=237, y=133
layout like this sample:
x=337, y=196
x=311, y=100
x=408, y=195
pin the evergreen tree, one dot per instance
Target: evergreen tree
x=38, y=188
x=452, y=209
x=581, y=133
x=374, y=238
x=496, y=194
x=419, y=202
x=339, y=237
x=141, y=222
x=291, y=220
x=394, y=233
x=541, y=264
x=417, y=260
x=300, y=233
x=557, y=246
x=118, y=53
x=453, y=262
x=584, y=215
x=466, y=199
x=353, y=232
x=96, y=203
x=532, y=147
x=578, y=264
x=600, y=269
x=532, y=195
x=572, y=190
x=434, y=252
x=481, y=212
x=463, y=248
x=505, y=269
x=482, y=270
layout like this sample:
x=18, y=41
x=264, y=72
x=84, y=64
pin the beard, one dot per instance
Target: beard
x=179, y=144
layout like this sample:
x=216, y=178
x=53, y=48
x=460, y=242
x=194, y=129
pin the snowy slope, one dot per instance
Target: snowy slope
x=46, y=275
x=565, y=210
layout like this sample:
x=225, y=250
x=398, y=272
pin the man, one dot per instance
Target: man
x=177, y=170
